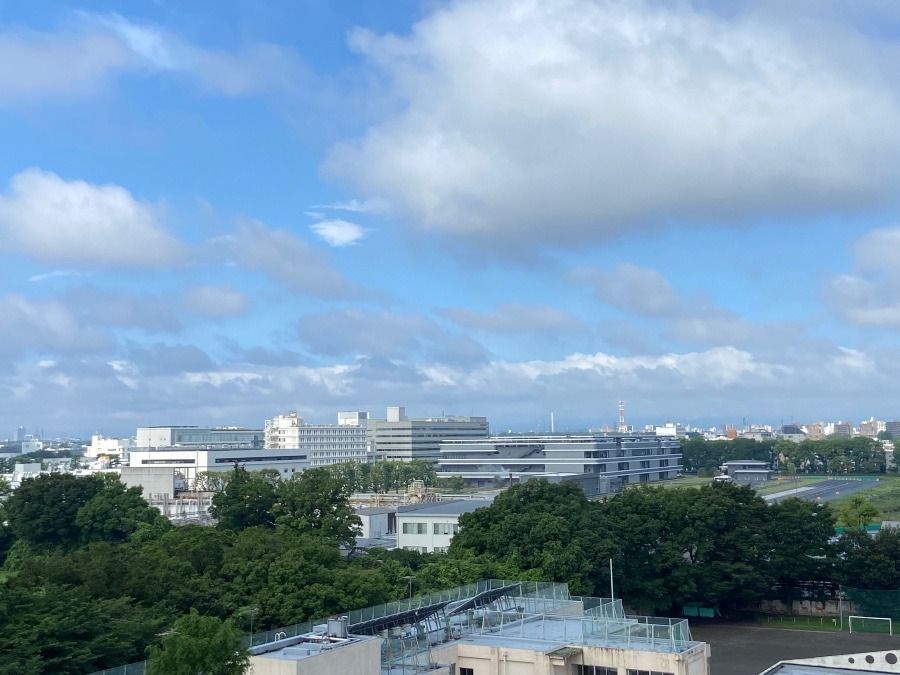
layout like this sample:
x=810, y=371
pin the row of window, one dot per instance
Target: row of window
x=612, y=670
x=422, y=528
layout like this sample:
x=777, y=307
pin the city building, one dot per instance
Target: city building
x=403, y=438
x=490, y=628
x=615, y=459
x=429, y=528
x=815, y=431
x=190, y=460
x=893, y=428
x=324, y=444
x=102, y=447
x=747, y=471
x=31, y=444
x=791, y=432
x=20, y=434
x=842, y=429
x=168, y=437
x=871, y=427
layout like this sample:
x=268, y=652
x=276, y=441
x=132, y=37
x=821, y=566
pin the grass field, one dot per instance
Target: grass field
x=823, y=623
x=883, y=493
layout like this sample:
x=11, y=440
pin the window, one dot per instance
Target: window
x=417, y=549
x=415, y=528
x=466, y=671
x=596, y=670
x=623, y=466
x=646, y=672
x=446, y=528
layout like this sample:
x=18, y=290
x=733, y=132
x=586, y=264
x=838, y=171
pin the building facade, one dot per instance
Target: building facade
x=324, y=444
x=168, y=437
x=189, y=461
x=620, y=459
x=403, y=438
x=429, y=528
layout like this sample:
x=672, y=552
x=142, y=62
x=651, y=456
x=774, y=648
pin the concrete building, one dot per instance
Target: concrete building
x=871, y=427
x=103, y=447
x=816, y=431
x=378, y=522
x=31, y=444
x=490, y=628
x=791, y=432
x=841, y=664
x=324, y=444
x=747, y=471
x=429, y=528
x=168, y=437
x=615, y=459
x=189, y=461
x=20, y=434
x=403, y=438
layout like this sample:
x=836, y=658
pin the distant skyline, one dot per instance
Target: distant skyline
x=216, y=212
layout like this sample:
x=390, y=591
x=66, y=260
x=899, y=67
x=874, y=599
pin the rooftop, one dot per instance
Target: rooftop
x=454, y=508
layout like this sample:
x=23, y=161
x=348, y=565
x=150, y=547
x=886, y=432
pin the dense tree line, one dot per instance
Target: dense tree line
x=94, y=578
x=828, y=456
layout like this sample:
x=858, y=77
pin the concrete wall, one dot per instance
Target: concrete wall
x=361, y=658
x=153, y=480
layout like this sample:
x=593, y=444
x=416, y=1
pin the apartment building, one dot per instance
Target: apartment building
x=324, y=444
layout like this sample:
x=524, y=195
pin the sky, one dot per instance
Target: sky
x=217, y=211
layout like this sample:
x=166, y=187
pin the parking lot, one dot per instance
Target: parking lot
x=748, y=649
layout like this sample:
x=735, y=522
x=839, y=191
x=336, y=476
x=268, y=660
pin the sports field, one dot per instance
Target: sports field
x=748, y=649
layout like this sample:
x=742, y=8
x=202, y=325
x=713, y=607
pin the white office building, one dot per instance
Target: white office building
x=403, y=438
x=324, y=444
x=168, y=437
x=109, y=448
x=189, y=461
x=615, y=459
x=429, y=528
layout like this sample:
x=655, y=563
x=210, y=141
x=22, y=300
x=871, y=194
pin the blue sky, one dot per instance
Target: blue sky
x=214, y=212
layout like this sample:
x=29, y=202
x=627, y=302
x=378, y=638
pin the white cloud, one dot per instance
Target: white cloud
x=284, y=257
x=36, y=65
x=217, y=302
x=78, y=223
x=54, y=275
x=374, y=205
x=570, y=120
x=871, y=295
x=44, y=325
x=253, y=69
x=339, y=232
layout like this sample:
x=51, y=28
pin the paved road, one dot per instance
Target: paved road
x=748, y=649
x=825, y=491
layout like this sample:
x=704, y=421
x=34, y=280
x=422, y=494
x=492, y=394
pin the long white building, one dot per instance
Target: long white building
x=617, y=459
x=324, y=444
x=168, y=437
x=189, y=461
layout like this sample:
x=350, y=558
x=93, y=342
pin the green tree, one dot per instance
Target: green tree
x=43, y=510
x=246, y=500
x=799, y=533
x=200, y=645
x=318, y=503
x=857, y=512
x=114, y=513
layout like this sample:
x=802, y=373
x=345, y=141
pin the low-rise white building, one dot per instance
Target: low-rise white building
x=189, y=461
x=103, y=447
x=324, y=444
x=429, y=528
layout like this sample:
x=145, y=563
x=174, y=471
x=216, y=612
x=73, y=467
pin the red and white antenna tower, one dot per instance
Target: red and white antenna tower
x=622, y=427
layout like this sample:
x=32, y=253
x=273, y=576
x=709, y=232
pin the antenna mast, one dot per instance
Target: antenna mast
x=622, y=427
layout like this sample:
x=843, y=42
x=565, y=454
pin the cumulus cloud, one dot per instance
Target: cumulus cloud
x=571, y=120
x=216, y=302
x=339, y=232
x=870, y=295
x=81, y=224
x=284, y=257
